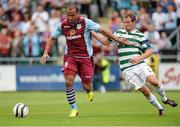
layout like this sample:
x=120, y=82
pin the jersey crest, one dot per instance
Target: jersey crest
x=72, y=32
x=78, y=26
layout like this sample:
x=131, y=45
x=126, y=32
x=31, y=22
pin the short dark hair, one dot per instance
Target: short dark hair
x=132, y=16
x=73, y=5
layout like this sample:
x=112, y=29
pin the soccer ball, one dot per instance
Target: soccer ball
x=20, y=110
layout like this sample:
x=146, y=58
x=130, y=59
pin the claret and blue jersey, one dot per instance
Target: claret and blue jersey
x=78, y=41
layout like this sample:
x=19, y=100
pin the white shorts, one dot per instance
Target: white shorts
x=137, y=75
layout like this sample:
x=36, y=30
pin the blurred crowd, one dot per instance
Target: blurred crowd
x=156, y=19
x=26, y=24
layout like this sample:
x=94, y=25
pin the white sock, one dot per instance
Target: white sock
x=161, y=92
x=152, y=99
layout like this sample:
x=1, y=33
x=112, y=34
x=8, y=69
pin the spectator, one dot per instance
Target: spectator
x=23, y=4
x=134, y=6
x=53, y=20
x=40, y=19
x=4, y=4
x=171, y=22
x=43, y=39
x=5, y=43
x=15, y=23
x=16, y=50
x=114, y=22
x=105, y=64
x=143, y=19
x=15, y=16
x=177, y=2
x=57, y=3
x=123, y=4
x=48, y=5
x=165, y=4
x=94, y=9
x=31, y=43
x=122, y=12
x=153, y=36
x=85, y=6
x=13, y=8
x=101, y=74
x=33, y=5
x=26, y=23
x=164, y=42
x=3, y=19
x=97, y=79
x=102, y=7
x=159, y=18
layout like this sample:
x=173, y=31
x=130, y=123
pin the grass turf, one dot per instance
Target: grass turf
x=109, y=109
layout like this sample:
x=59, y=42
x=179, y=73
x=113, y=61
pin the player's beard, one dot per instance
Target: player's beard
x=73, y=22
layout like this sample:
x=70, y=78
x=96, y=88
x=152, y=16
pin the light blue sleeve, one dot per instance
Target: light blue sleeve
x=57, y=31
x=91, y=25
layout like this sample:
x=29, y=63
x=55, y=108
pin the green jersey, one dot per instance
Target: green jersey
x=126, y=52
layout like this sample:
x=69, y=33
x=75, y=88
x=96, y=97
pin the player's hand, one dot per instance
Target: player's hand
x=44, y=58
x=135, y=60
x=123, y=41
x=126, y=42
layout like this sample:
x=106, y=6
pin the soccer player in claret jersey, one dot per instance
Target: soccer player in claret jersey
x=78, y=52
x=133, y=67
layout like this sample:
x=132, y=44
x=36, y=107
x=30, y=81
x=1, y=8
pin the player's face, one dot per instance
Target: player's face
x=72, y=15
x=129, y=24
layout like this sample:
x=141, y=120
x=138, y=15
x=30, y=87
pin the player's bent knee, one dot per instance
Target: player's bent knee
x=69, y=80
x=69, y=83
x=153, y=80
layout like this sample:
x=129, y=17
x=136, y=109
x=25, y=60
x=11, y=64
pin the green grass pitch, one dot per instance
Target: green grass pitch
x=109, y=109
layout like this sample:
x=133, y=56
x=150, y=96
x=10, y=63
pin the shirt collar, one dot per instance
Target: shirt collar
x=132, y=31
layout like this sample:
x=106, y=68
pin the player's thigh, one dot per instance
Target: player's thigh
x=148, y=75
x=145, y=71
x=133, y=79
x=86, y=70
x=70, y=70
x=70, y=64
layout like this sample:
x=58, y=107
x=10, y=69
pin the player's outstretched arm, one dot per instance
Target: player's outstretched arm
x=117, y=39
x=99, y=37
x=49, y=44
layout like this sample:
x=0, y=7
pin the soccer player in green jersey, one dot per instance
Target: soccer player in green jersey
x=134, y=69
